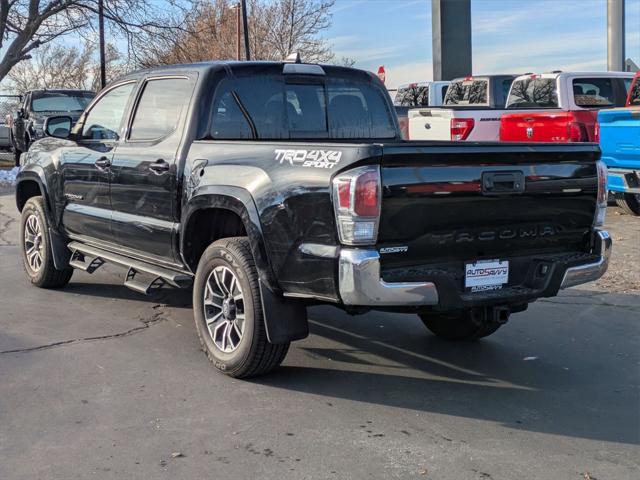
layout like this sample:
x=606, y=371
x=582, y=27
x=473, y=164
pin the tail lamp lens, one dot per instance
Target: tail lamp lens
x=601, y=206
x=461, y=128
x=596, y=133
x=357, y=198
x=577, y=132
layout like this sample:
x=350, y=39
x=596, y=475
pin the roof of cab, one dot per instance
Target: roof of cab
x=230, y=65
x=560, y=74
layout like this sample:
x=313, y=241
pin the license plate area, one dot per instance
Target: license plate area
x=484, y=275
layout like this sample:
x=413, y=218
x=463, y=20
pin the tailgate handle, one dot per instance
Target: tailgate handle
x=502, y=183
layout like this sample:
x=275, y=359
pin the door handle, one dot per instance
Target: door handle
x=103, y=162
x=159, y=166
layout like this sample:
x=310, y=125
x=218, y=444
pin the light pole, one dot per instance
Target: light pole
x=238, y=12
x=103, y=66
x=615, y=35
x=246, y=30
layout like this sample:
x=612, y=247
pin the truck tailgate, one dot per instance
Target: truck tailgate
x=449, y=202
x=430, y=123
x=620, y=137
x=548, y=126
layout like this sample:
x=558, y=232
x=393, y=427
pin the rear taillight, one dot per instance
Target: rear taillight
x=404, y=127
x=601, y=206
x=596, y=133
x=461, y=128
x=357, y=197
x=578, y=132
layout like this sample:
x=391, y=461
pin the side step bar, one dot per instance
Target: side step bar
x=89, y=258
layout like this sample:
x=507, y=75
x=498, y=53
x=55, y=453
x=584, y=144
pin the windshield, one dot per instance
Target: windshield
x=412, y=96
x=61, y=102
x=533, y=93
x=269, y=107
x=467, y=92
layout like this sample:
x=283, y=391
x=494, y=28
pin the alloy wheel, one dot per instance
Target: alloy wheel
x=33, y=243
x=224, y=311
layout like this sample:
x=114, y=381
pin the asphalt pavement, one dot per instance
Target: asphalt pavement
x=99, y=382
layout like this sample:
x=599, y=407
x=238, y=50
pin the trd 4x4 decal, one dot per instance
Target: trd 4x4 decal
x=309, y=158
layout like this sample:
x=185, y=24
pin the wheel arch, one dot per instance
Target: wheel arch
x=234, y=213
x=29, y=185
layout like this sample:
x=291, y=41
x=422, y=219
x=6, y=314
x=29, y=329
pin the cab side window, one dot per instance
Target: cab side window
x=634, y=98
x=228, y=122
x=105, y=118
x=160, y=108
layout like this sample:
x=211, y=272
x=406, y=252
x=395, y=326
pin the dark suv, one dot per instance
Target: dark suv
x=27, y=122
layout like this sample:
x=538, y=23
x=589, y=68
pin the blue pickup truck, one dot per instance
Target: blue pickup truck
x=620, y=143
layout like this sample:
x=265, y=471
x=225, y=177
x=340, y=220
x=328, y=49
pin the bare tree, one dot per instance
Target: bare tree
x=58, y=66
x=52, y=66
x=28, y=24
x=293, y=26
x=208, y=32
x=276, y=29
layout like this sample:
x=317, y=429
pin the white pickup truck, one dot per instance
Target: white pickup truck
x=412, y=95
x=471, y=111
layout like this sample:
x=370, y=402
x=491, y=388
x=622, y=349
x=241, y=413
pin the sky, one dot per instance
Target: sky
x=508, y=36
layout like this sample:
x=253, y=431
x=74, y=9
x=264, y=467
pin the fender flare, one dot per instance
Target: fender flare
x=239, y=201
x=285, y=320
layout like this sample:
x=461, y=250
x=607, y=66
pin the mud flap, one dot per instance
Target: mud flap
x=285, y=320
x=61, y=254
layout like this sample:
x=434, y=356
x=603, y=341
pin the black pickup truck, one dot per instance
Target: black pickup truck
x=27, y=122
x=269, y=187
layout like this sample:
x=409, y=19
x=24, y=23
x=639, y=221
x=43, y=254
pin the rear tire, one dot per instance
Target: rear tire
x=16, y=156
x=629, y=203
x=37, y=257
x=228, y=313
x=463, y=326
x=15, y=151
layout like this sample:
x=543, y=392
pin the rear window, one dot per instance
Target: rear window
x=444, y=92
x=468, y=92
x=269, y=108
x=412, y=96
x=634, y=97
x=533, y=93
x=593, y=92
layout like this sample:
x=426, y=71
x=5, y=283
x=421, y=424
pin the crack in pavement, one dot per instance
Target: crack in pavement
x=156, y=318
x=631, y=308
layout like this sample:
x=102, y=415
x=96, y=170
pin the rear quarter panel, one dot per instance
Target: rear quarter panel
x=292, y=197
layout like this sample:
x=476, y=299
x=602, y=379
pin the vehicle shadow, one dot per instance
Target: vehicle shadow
x=391, y=360
x=173, y=297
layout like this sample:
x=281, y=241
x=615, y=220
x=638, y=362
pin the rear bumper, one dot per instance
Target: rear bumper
x=624, y=180
x=590, y=271
x=361, y=282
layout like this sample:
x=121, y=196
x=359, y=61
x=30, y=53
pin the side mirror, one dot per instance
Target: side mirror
x=59, y=127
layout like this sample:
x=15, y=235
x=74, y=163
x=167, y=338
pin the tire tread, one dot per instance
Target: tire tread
x=628, y=203
x=53, y=278
x=264, y=356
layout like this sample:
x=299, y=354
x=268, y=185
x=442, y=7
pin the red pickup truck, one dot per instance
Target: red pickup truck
x=561, y=106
